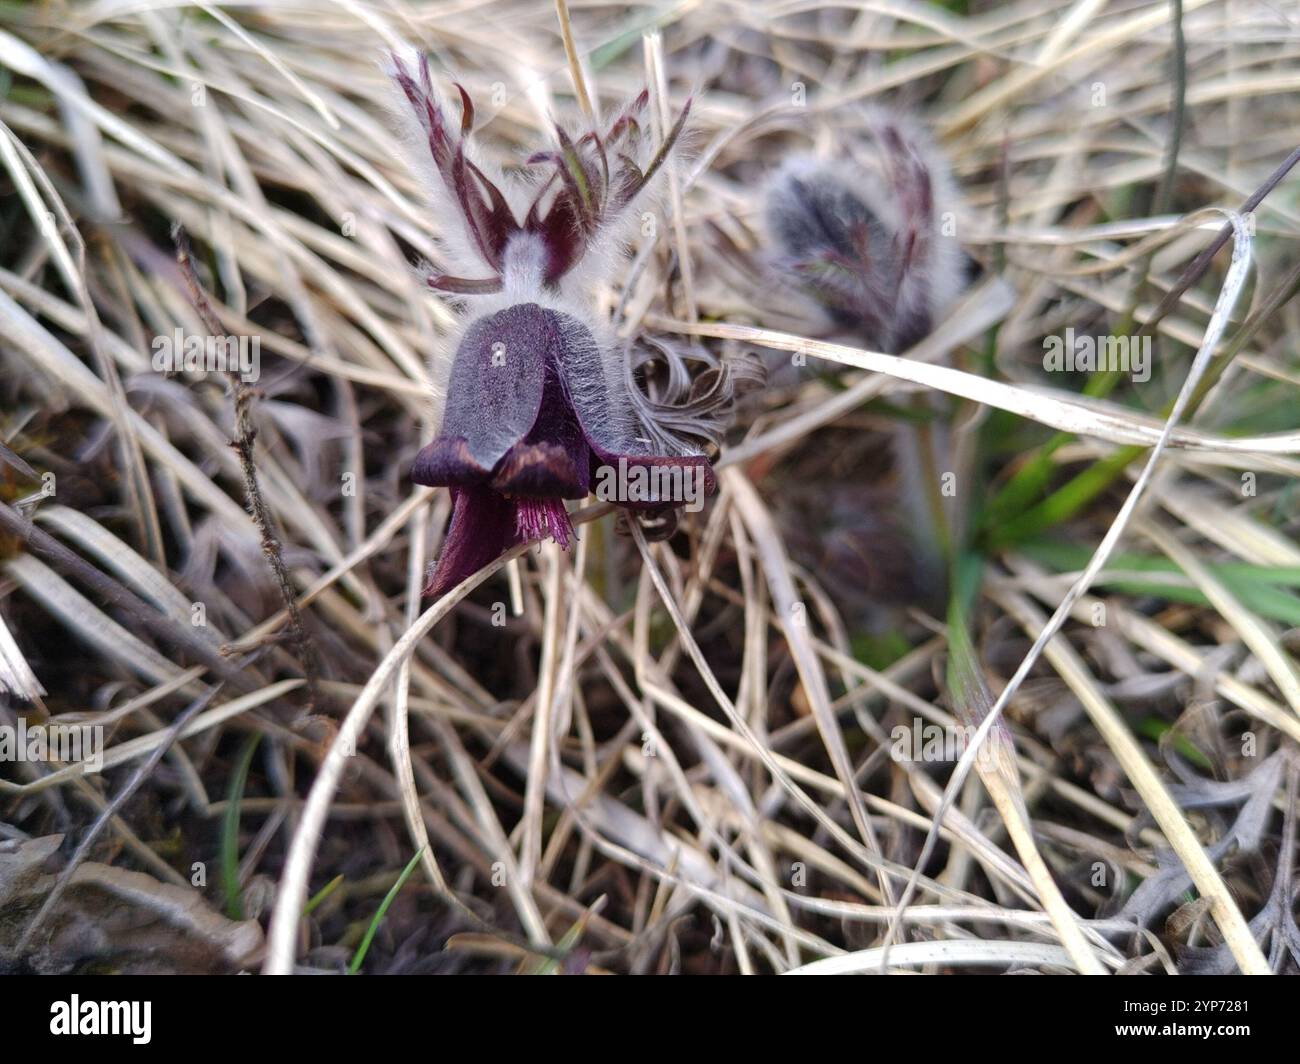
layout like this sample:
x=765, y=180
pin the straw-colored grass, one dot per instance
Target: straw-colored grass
x=670, y=756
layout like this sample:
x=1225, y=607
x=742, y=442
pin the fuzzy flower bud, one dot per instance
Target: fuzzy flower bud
x=864, y=235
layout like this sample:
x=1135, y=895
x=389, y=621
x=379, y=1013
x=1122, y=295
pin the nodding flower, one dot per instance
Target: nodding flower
x=864, y=235
x=534, y=396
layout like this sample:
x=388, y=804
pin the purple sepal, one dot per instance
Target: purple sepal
x=484, y=525
x=530, y=419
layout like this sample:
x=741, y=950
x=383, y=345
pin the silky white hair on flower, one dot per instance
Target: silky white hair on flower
x=551, y=237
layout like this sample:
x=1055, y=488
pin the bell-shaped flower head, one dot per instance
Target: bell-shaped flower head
x=534, y=400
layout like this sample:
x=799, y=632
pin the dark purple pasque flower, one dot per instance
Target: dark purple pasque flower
x=870, y=235
x=537, y=404
x=531, y=418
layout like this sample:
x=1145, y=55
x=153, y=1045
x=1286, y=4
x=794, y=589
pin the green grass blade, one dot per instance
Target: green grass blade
x=230, y=830
x=324, y=892
x=359, y=957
